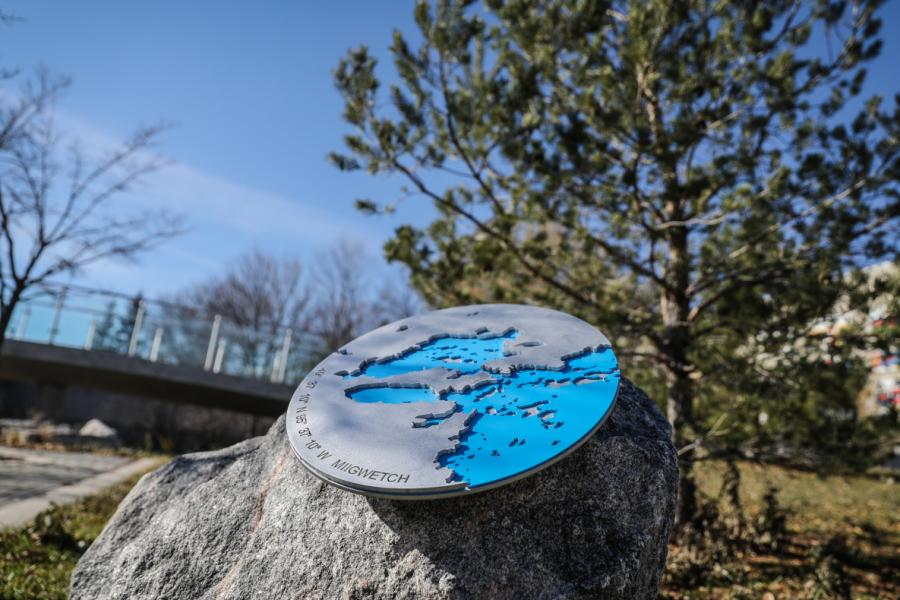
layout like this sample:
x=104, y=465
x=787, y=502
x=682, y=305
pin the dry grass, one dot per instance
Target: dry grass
x=843, y=535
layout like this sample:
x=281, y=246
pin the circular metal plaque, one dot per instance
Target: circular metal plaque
x=453, y=402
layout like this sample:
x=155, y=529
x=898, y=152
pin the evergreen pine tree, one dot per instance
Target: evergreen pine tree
x=703, y=180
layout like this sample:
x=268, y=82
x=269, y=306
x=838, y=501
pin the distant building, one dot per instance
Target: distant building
x=881, y=392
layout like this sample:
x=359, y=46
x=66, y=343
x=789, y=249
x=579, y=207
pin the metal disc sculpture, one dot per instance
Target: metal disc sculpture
x=453, y=402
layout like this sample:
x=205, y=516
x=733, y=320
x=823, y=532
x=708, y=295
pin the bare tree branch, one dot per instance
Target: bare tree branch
x=66, y=230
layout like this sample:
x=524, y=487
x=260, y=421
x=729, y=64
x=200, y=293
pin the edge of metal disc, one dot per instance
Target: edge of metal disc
x=463, y=489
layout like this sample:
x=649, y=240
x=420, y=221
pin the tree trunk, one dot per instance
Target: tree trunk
x=5, y=318
x=680, y=408
x=677, y=340
x=6, y=313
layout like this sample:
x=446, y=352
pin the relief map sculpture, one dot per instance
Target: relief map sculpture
x=454, y=401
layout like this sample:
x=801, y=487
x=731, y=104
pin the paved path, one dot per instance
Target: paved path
x=32, y=480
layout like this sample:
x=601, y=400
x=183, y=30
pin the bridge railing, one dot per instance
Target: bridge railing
x=98, y=321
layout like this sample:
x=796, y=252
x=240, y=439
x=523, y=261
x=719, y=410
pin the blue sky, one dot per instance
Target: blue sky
x=249, y=86
x=250, y=91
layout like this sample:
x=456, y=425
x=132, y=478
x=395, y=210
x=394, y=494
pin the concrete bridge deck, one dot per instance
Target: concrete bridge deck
x=58, y=365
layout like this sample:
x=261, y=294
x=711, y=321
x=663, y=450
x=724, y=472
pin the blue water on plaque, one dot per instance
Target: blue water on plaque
x=518, y=420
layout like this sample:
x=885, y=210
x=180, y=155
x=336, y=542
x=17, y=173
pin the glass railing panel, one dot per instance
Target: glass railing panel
x=163, y=333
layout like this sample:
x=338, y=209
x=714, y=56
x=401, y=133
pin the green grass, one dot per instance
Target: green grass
x=36, y=561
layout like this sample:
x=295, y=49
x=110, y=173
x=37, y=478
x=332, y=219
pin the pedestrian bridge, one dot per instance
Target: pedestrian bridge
x=89, y=338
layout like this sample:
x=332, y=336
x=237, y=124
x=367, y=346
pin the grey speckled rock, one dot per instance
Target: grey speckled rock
x=249, y=522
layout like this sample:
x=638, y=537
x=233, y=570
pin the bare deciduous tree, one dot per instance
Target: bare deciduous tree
x=336, y=299
x=340, y=309
x=348, y=299
x=259, y=291
x=261, y=295
x=396, y=299
x=57, y=211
